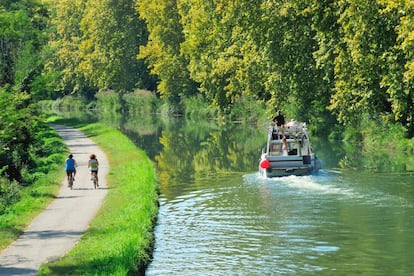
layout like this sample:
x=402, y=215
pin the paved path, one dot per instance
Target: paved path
x=55, y=231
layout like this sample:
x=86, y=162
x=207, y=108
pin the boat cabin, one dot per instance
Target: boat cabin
x=297, y=139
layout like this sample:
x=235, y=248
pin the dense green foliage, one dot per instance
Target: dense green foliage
x=28, y=149
x=324, y=62
x=25, y=140
x=22, y=36
x=95, y=44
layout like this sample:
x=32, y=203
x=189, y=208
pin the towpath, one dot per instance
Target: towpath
x=56, y=230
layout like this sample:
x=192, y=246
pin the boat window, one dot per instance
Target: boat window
x=293, y=152
x=293, y=149
x=275, y=149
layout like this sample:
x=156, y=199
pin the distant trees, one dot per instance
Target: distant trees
x=96, y=46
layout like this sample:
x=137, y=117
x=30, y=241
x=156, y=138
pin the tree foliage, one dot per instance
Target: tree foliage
x=318, y=59
x=163, y=50
x=96, y=45
x=221, y=49
x=321, y=61
x=18, y=125
x=65, y=43
x=22, y=36
x=399, y=77
x=367, y=35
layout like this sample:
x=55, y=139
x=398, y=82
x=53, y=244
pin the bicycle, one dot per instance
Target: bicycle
x=95, y=180
x=70, y=181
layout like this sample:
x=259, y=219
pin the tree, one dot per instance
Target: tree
x=111, y=34
x=163, y=50
x=65, y=43
x=399, y=77
x=326, y=27
x=96, y=46
x=294, y=81
x=221, y=49
x=366, y=35
x=22, y=27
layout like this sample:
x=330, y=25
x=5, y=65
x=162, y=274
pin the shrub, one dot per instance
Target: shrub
x=247, y=109
x=141, y=102
x=197, y=108
x=9, y=193
x=108, y=101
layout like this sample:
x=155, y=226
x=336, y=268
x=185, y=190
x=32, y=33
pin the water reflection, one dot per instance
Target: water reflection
x=187, y=151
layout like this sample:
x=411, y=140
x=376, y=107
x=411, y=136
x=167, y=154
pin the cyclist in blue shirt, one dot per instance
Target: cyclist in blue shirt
x=70, y=166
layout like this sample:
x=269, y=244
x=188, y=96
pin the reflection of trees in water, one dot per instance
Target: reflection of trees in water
x=192, y=152
x=385, y=160
x=372, y=158
x=232, y=148
x=376, y=159
x=330, y=153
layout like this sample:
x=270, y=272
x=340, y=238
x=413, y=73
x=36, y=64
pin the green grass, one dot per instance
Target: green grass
x=119, y=240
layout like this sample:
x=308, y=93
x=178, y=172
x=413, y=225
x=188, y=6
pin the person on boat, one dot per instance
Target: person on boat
x=279, y=119
x=285, y=147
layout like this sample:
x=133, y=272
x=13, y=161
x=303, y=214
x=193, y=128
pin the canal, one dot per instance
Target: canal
x=218, y=216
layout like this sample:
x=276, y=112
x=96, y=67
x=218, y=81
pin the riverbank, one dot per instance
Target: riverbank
x=120, y=238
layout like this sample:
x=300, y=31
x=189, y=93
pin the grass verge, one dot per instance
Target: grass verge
x=120, y=238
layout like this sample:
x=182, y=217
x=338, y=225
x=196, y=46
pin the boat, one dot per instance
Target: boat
x=297, y=158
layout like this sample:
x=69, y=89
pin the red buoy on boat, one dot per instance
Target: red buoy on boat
x=265, y=164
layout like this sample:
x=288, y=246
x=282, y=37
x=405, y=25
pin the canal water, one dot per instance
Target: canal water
x=219, y=217
x=330, y=224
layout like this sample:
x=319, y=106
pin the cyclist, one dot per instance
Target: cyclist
x=70, y=166
x=93, y=164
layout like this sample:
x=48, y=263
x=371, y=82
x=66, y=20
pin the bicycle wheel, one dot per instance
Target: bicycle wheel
x=95, y=181
x=71, y=182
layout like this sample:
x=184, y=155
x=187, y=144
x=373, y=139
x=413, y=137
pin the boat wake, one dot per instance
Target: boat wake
x=311, y=183
x=321, y=183
x=330, y=183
